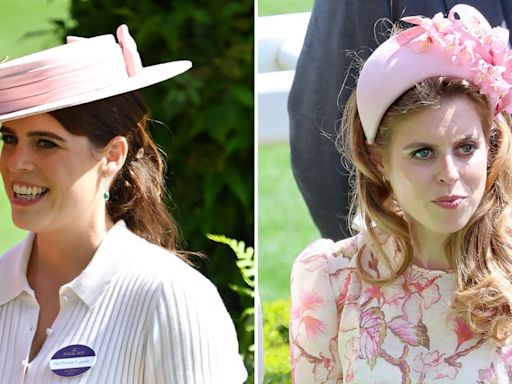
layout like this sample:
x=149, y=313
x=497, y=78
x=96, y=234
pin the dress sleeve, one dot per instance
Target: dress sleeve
x=191, y=337
x=314, y=319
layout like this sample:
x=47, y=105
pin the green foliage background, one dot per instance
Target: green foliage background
x=207, y=115
x=276, y=319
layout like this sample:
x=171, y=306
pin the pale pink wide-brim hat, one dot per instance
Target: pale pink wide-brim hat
x=81, y=71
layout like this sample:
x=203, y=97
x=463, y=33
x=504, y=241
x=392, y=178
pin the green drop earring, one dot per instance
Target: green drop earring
x=106, y=193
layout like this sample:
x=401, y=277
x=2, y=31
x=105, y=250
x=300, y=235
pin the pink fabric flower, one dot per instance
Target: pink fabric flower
x=308, y=300
x=460, y=51
x=487, y=376
x=412, y=283
x=505, y=355
x=314, y=327
x=463, y=331
x=349, y=290
x=470, y=42
x=327, y=369
x=373, y=292
x=408, y=327
x=350, y=355
x=432, y=366
x=373, y=332
x=489, y=78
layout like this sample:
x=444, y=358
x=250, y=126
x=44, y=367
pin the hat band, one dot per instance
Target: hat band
x=54, y=69
x=57, y=55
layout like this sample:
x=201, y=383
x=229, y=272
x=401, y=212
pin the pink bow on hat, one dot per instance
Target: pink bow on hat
x=130, y=53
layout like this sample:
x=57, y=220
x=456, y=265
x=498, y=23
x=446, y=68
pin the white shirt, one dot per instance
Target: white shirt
x=148, y=316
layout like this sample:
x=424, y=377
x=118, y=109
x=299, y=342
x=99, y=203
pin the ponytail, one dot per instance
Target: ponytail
x=137, y=191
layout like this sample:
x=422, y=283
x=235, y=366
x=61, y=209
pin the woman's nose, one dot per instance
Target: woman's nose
x=17, y=158
x=448, y=171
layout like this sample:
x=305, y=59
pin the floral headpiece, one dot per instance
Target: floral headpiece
x=462, y=45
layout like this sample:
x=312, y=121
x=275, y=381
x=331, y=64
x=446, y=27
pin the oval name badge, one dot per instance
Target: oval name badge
x=72, y=360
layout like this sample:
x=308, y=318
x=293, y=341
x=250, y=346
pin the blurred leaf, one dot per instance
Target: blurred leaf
x=242, y=94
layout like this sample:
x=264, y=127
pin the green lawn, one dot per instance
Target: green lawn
x=285, y=227
x=21, y=30
x=284, y=224
x=24, y=23
x=9, y=234
x=276, y=7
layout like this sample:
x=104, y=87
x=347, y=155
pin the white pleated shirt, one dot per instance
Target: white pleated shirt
x=149, y=317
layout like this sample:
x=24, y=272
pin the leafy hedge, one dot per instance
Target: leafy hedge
x=207, y=116
x=276, y=317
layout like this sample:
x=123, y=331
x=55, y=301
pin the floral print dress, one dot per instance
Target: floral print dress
x=344, y=330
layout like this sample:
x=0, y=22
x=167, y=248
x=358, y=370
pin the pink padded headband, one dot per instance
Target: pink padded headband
x=463, y=45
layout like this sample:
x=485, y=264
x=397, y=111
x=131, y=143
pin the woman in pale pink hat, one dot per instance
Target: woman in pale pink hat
x=98, y=292
x=423, y=293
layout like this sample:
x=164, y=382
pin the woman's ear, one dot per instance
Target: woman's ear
x=114, y=154
x=377, y=159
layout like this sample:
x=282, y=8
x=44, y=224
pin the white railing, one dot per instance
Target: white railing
x=279, y=42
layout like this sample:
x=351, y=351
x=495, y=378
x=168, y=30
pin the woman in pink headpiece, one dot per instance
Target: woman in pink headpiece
x=98, y=292
x=423, y=293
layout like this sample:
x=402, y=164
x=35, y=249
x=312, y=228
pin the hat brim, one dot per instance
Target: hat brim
x=145, y=77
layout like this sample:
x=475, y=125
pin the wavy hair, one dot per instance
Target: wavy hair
x=481, y=252
x=138, y=189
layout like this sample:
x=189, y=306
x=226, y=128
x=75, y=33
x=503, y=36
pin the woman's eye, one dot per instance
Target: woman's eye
x=422, y=154
x=8, y=139
x=46, y=144
x=467, y=149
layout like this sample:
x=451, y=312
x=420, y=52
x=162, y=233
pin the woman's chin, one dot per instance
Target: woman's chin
x=26, y=223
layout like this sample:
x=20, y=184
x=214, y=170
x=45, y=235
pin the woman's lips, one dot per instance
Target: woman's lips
x=24, y=194
x=449, y=202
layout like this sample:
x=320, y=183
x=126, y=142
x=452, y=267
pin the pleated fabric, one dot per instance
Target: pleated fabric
x=149, y=317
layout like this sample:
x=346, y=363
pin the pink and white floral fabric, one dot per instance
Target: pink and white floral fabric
x=344, y=330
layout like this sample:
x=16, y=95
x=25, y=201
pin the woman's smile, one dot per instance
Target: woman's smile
x=27, y=194
x=51, y=176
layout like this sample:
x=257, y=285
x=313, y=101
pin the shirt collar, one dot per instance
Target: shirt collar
x=13, y=270
x=93, y=280
x=88, y=285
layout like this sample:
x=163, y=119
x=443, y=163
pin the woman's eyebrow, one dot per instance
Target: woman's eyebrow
x=417, y=144
x=48, y=134
x=4, y=129
x=51, y=135
x=469, y=136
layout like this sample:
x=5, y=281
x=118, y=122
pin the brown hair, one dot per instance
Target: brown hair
x=137, y=191
x=480, y=253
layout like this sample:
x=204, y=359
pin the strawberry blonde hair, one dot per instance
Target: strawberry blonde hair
x=481, y=252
